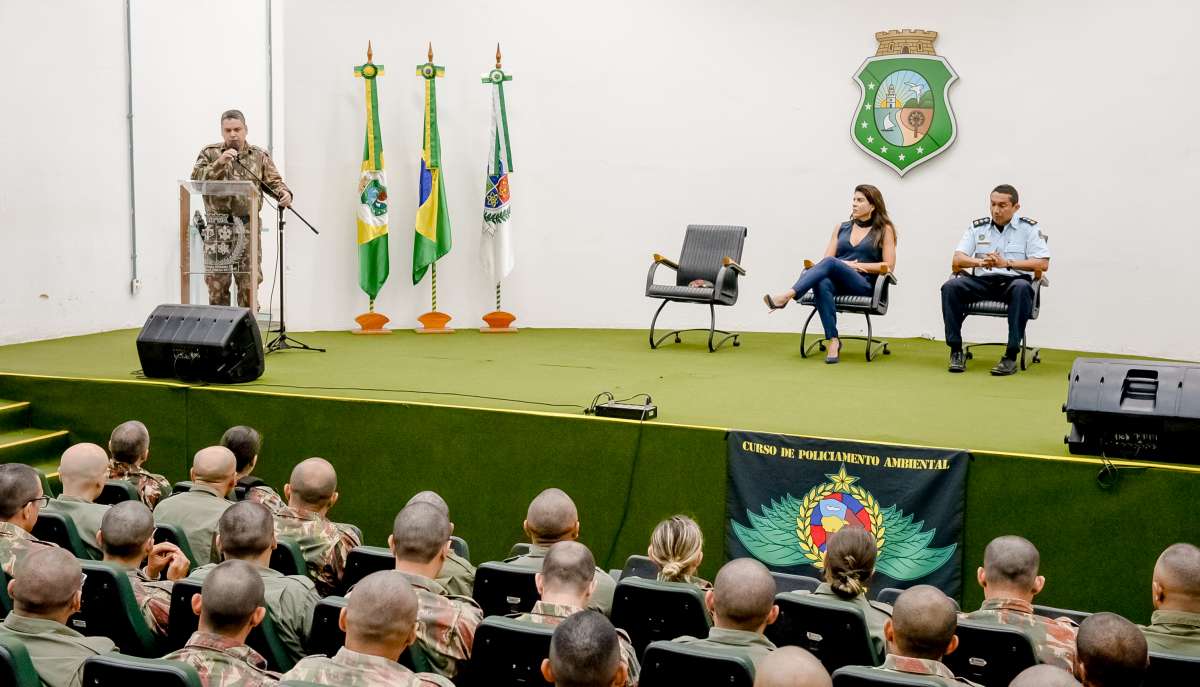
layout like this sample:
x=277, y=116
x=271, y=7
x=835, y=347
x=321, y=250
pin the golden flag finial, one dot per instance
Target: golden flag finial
x=431, y=52
x=369, y=54
x=497, y=56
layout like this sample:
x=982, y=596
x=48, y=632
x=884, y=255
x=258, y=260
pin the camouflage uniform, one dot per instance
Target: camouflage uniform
x=1174, y=632
x=267, y=497
x=875, y=613
x=222, y=662
x=290, y=600
x=553, y=614
x=1053, y=640
x=57, y=651
x=153, y=599
x=14, y=544
x=753, y=645
x=197, y=512
x=698, y=582
x=351, y=669
x=935, y=670
x=223, y=210
x=323, y=543
x=606, y=586
x=445, y=624
x=86, y=516
x=457, y=575
x=151, y=488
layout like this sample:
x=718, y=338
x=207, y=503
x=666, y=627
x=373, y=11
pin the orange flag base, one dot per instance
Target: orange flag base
x=499, y=322
x=371, y=323
x=434, y=322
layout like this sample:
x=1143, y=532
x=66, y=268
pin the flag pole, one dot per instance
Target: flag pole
x=372, y=220
x=432, y=217
x=496, y=210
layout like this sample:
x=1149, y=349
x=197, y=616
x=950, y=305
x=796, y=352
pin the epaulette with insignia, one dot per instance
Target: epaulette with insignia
x=981, y=221
x=1030, y=222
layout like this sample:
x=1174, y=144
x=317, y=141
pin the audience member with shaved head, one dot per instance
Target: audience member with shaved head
x=129, y=445
x=21, y=499
x=45, y=593
x=380, y=622
x=791, y=666
x=585, y=652
x=197, y=511
x=83, y=469
x=551, y=518
x=246, y=532
x=742, y=603
x=566, y=583
x=419, y=541
x=1175, y=624
x=1044, y=675
x=1112, y=652
x=127, y=538
x=920, y=633
x=230, y=604
x=310, y=493
x=457, y=574
x=1010, y=581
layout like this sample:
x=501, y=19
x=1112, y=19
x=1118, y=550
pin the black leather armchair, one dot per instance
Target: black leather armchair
x=875, y=304
x=709, y=258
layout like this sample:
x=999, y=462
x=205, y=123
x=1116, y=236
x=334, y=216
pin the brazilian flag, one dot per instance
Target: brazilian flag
x=432, y=238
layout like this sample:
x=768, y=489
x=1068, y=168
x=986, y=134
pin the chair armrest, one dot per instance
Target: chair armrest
x=808, y=264
x=881, y=285
x=663, y=260
x=729, y=262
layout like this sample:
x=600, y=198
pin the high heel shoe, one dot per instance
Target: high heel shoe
x=833, y=359
x=771, y=304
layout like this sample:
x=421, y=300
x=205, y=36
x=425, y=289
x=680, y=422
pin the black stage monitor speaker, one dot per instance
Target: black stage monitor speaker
x=1134, y=409
x=211, y=343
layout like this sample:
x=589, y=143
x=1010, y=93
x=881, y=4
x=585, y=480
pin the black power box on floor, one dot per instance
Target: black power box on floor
x=627, y=411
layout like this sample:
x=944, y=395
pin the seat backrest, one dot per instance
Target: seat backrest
x=59, y=528
x=651, y=611
x=326, y=637
x=364, y=560
x=640, y=566
x=508, y=653
x=834, y=631
x=786, y=582
x=174, y=534
x=459, y=545
x=888, y=595
x=1172, y=669
x=114, y=669
x=503, y=588
x=862, y=676
x=16, y=668
x=990, y=654
x=704, y=246
x=287, y=557
x=181, y=487
x=182, y=622
x=1052, y=613
x=5, y=599
x=667, y=664
x=519, y=549
x=110, y=609
x=116, y=491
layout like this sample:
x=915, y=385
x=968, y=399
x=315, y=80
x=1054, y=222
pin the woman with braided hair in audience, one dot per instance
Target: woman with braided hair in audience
x=677, y=548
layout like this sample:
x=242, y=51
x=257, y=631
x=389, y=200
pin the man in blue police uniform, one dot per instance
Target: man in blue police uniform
x=1001, y=252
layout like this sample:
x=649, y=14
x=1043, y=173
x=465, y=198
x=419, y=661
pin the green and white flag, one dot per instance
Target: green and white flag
x=496, y=252
x=372, y=219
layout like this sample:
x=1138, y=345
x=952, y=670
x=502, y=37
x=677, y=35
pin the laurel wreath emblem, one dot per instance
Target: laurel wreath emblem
x=809, y=503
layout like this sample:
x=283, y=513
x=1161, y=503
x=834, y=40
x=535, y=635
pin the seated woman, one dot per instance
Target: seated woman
x=677, y=548
x=858, y=252
x=849, y=565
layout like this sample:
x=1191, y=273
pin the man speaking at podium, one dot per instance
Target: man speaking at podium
x=233, y=159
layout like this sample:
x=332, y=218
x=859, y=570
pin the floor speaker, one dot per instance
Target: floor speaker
x=210, y=343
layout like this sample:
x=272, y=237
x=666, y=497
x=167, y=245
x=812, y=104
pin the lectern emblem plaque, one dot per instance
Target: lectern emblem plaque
x=224, y=238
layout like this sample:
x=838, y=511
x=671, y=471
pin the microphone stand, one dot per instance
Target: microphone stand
x=281, y=341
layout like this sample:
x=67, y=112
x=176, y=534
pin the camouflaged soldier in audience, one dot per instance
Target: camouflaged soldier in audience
x=246, y=532
x=46, y=593
x=585, y=652
x=233, y=159
x=742, y=603
x=310, y=493
x=565, y=584
x=1043, y=675
x=1010, y=581
x=380, y=622
x=230, y=604
x=457, y=574
x=245, y=443
x=1112, y=652
x=1175, y=624
x=551, y=518
x=129, y=445
x=446, y=623
x=198, y=510
x=82, y=470
x=790, y=666
x=21, y=499
x=920, y=633
x=127, y=537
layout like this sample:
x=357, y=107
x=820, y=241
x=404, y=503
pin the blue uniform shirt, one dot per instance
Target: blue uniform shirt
x=1020, y=240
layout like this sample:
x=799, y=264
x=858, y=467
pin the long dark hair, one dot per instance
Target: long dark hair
x=850, y=561
x=879, y=217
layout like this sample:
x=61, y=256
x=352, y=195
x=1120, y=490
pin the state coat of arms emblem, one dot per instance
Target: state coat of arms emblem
x=903, y=116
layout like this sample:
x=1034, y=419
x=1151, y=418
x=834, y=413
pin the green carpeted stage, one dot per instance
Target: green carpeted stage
x=490, y=420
